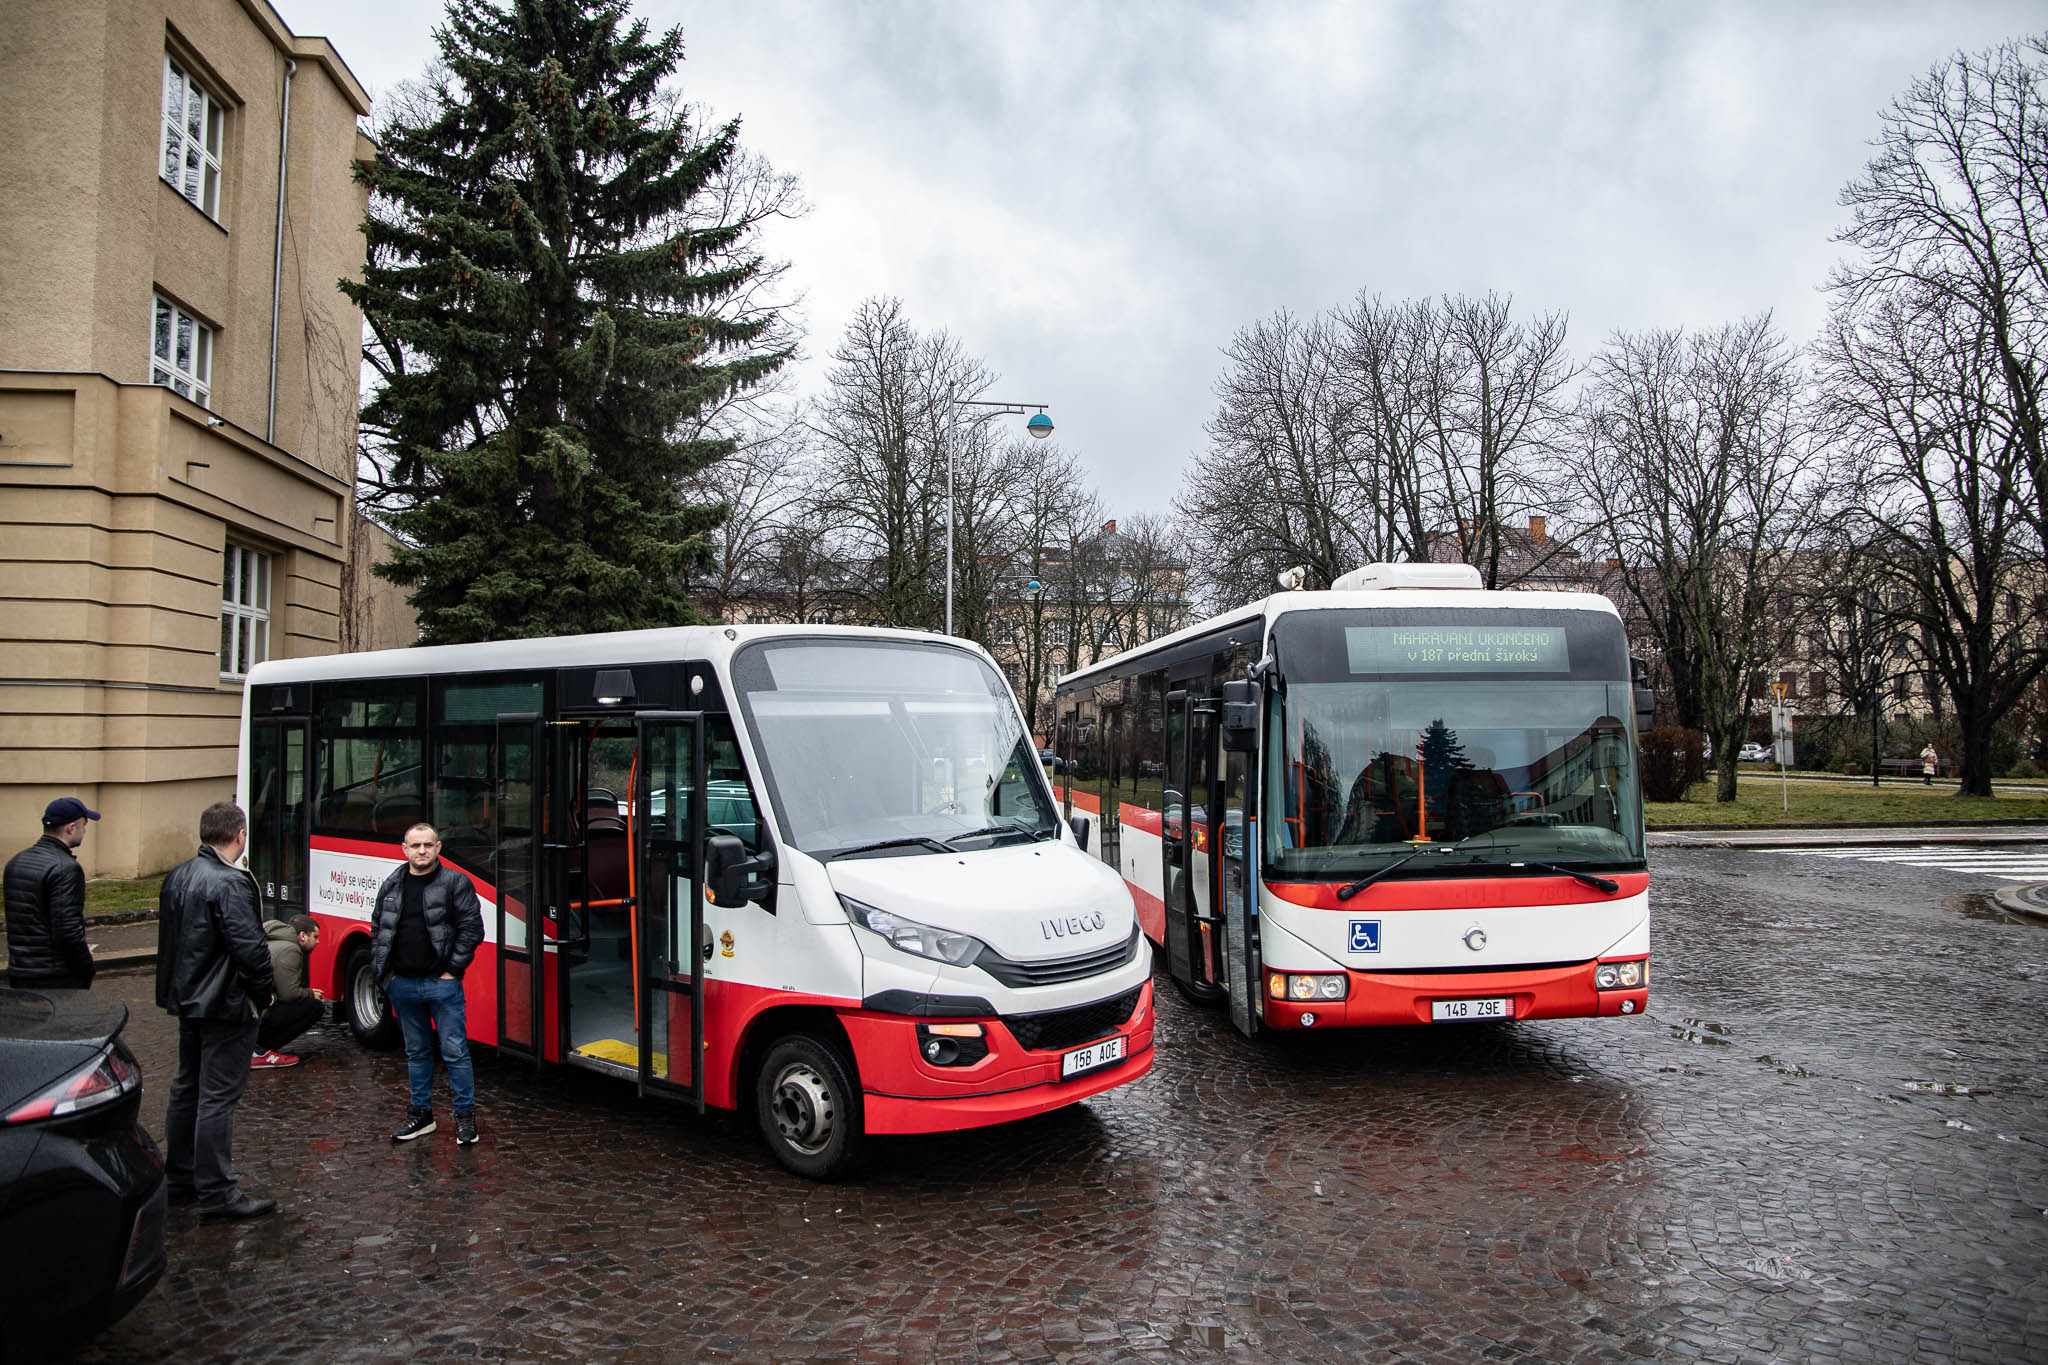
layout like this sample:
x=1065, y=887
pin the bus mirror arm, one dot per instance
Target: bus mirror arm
x=729, y=873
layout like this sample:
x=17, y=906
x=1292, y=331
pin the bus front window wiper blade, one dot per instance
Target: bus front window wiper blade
x=1346, y=892
x=952, y=841
x=1607, y=884
x=912, y=842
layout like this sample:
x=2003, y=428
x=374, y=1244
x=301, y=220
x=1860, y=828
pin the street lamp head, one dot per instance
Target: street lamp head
x=1040, y=426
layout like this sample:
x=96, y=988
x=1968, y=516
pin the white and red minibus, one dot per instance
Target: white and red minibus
x=815, y=872
x=1406, y=800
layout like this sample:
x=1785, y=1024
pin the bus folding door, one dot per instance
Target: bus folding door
x=670, y=943
x=519, y=789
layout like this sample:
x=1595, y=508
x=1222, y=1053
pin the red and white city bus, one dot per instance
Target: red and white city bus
x=1405, y=800
x=825, y=861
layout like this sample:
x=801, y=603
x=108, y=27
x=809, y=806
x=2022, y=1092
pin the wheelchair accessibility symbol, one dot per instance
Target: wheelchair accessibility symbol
x=1365, y=936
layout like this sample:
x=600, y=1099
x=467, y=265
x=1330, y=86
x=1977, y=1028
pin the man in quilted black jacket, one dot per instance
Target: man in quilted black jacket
x=45, y=890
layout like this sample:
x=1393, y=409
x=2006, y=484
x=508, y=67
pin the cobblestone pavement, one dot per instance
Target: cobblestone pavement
x=1826, y=1140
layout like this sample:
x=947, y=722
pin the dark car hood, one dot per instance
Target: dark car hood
x=46, y=1035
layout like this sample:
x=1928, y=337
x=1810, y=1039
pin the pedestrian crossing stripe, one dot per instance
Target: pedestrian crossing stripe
x=2005, y=865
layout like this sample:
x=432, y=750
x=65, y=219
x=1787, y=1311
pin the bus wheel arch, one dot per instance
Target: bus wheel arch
x=797, y=1069
x=368, y=1013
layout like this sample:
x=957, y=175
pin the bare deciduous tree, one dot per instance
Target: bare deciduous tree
x=1705, y=489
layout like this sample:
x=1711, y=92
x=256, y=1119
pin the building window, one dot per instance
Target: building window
x=192, y=124
x=244, y=610
x=181, y=353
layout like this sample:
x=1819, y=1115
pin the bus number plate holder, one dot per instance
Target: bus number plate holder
x=1463, y=1011
x=1091, y=1057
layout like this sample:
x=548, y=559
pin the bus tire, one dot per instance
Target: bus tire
x=807, y=1104
x=369, y=1014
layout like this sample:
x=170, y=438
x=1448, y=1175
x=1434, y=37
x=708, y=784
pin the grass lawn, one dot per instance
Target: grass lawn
x=109, y=897
x=1758, y=801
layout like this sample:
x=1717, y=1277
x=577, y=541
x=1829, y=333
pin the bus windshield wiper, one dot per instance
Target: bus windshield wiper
x=1607, y=884
x=952, y=840
x=1346, y=892
x=913, y=841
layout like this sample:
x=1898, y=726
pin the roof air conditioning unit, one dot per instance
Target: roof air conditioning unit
x=1390, y=577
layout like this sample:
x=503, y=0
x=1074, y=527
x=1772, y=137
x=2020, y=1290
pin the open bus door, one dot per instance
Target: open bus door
x=1239, y=889
x=519, y=788
x=1189, y=825
x=669, y=916
x=280, y=816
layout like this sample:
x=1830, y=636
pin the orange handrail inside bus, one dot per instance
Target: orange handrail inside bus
x=1421, y=798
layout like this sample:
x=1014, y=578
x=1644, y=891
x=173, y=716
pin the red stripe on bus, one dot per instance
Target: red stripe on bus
x=1137, y=817
x=1476, y=894
x=1151, y=912
x=1087, y=801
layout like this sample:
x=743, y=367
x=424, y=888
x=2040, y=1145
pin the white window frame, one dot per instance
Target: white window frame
x=180, y=352
x=244, y=609
x=194, y=123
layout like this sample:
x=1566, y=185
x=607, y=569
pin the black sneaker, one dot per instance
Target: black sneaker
x=418, y=1123
x=465, y=1127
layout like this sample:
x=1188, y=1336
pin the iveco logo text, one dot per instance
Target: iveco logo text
x=1073, y=924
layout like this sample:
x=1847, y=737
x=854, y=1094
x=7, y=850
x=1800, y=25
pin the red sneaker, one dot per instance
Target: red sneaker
x=272, y=1058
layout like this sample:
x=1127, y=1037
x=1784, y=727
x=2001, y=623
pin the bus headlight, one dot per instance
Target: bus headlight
x=908, y=936
x=1305, y=986
x=1622, y=976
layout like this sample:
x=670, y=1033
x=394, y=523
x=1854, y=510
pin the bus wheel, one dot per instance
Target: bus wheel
x=369, y=1014
x=808, y=1106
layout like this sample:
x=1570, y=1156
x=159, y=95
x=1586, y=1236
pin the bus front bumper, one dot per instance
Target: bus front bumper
x=902, y=1093
x=1378, y=999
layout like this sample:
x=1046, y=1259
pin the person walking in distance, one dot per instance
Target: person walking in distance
x=213, y=973
x=424, y=931
x=45, y=890
x=298, y=1005
x=1928, y=758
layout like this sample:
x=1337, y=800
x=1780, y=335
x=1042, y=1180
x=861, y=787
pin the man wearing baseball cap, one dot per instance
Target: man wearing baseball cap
x=46, y=947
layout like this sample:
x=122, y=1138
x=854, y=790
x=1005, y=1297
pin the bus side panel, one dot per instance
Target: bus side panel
x=1143, y=867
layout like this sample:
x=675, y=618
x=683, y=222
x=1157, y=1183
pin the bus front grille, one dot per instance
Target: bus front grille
x=1057, y=1029
x=1059, y=971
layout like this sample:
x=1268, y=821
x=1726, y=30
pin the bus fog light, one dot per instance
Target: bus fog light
x=1308, y=1018
x=1628, y=1007
x=951, y=1044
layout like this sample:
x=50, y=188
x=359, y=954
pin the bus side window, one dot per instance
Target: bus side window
x=729, y=797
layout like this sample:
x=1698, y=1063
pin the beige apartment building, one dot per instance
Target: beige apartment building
x=178, y=378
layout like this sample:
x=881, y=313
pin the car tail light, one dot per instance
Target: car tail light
x=107, y=1078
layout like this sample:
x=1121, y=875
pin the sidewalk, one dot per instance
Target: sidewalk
x=115, y=944
x=1809, y=836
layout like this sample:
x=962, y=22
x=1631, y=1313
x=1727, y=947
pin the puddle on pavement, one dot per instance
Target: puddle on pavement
x=1978, y=905
x=1700, y=1031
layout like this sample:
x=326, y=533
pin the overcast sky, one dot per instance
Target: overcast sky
x=1094, y=197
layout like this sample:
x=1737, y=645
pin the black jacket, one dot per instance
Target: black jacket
x=212, y=961
x=455, y=920
x=46, y=915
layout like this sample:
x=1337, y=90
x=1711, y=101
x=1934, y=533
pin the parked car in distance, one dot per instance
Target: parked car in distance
x=82, y=1194
x=1052, y=761
x=1754, y=753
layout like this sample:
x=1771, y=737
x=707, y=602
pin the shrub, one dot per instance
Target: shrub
x=1671, y=753
x=2026, y=767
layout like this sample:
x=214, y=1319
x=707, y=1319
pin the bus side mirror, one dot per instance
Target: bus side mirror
x=1079, y=824
x=1645, y=695
x=1240, y=717
x=729, y=873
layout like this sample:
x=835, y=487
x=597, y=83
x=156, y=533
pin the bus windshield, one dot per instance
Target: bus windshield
x=872, y=746
x=1492, y=730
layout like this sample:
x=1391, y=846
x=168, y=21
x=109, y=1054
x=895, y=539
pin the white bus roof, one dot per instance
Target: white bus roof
x=569, y=651
x=1283, y=603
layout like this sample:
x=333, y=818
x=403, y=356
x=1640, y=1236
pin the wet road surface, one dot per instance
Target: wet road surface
x=1826, y=1139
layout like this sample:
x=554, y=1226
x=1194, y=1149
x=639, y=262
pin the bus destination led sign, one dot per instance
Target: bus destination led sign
x=1457, y=649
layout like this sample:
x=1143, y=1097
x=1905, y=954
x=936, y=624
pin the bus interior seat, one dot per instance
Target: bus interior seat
x=608, y=853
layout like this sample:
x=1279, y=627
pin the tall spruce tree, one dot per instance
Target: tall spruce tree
x=553, y=294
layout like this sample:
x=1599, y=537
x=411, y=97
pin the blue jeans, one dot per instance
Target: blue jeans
x=422, y=1000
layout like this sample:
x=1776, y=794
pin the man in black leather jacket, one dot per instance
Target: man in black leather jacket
x=213, y=972
x=423, y=932
x=45, y=889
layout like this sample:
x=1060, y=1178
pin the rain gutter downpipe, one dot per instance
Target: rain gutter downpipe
x=284, y=135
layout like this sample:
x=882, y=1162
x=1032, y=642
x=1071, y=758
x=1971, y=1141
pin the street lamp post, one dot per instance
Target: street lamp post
x=1039, y=427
